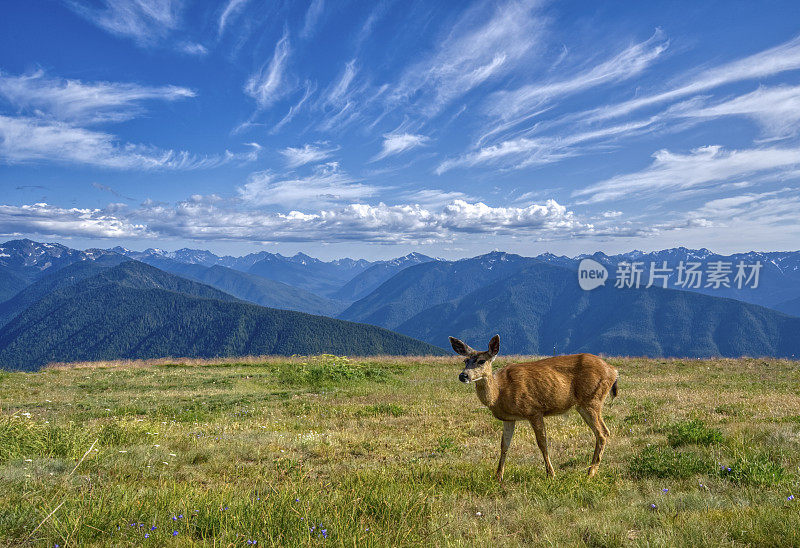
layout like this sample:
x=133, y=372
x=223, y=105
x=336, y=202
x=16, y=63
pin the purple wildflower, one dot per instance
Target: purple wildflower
x=790, y=498
x=174, y=533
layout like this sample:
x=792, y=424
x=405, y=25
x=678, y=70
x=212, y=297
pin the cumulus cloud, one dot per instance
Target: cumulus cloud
x=49, y=220
x=83, y=102
x=214, y=218
x=381, y=223
x=307, y=154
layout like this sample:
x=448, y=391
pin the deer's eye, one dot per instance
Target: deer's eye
x=481, y=362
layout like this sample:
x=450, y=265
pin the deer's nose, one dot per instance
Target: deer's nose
x=463, y=377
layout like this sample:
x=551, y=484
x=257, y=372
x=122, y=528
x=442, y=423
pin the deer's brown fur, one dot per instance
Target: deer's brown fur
x=534, y=390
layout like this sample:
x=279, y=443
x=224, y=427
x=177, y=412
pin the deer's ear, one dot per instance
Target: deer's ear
x=460, y=347
x=494, y=345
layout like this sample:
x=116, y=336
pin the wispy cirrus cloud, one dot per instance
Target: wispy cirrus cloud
x=775, y=109
x=397, y=143
x=525, y=152
x=307, y=154
x=769, y=62
x=144, y=21
x=268, y=84
x=83, y=102
x=477, y=49
x=328, y=184
x=312, y=18
x=32, y=140
x=232, y=9
x=630, y=62
x=671, y=172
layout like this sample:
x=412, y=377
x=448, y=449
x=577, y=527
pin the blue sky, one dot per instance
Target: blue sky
x=370, y=129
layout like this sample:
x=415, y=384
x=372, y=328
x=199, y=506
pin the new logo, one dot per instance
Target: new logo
x=591, y=274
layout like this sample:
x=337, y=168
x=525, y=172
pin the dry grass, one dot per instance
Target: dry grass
x=386, y=451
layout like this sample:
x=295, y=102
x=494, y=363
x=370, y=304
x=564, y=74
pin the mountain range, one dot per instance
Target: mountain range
x=134, y=310
x=533, y=302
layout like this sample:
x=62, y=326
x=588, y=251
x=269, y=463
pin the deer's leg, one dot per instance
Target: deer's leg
x=537, y=421
x=592, y=418
x=508, y=433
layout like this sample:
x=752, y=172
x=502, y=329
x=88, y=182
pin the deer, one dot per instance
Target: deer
x=537, y=389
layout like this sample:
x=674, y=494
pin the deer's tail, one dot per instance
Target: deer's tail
x=614, y=389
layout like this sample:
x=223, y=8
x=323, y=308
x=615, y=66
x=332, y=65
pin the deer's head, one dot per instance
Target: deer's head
x=477, y=365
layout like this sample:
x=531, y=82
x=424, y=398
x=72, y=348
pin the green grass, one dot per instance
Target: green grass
x=391, y=452
x=692, y=432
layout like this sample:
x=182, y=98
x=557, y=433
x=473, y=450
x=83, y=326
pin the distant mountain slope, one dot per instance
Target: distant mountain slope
x=52, y=281
x=779, y=277
x=10, y=284
x=364, y=283
x=134, y=310
x=541, y=309
x=250, y=287
x=419, y=287
x=312, y=275
x=791, y=307
x=299, y=270
x=30, y=260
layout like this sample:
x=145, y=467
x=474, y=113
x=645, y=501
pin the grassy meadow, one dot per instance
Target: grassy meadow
x=391, y=452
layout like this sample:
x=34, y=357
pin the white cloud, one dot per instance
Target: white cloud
x=338, y=92
x=431, y=197
x=310, y=88
x=83, y=102
x=49, y=220
x=313, y=15
x=193, y=48
x=306, y=154
x=199, y=218
x=33, y=140
x=629, y=63
x=145, y=21
x=769, y=62
x=776, y=109
x=232, y=9
x=671, y=172
x=477, y=49
x=327, y=185
x=267, y=85
x=525, y=152
x=397, y=143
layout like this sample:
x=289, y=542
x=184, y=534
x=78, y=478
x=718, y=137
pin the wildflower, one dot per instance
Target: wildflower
x=174, y=518
x=790, y=498
x=147, y=535
x=174, y=533
x=324, y=533
x=153, y=528
x=297, y=500
x=665, y=490
x=653, y=506
x=479, y=514
x=180, y=516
